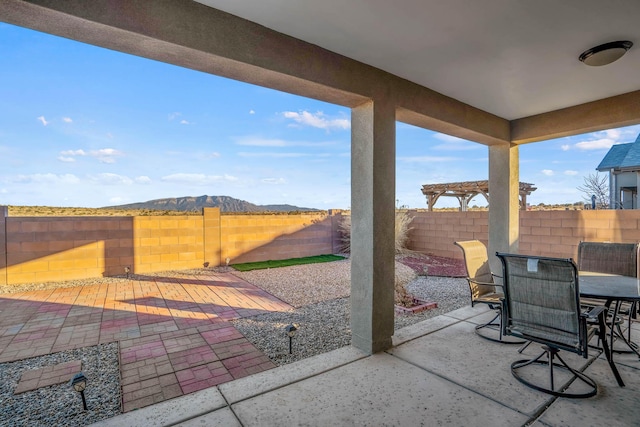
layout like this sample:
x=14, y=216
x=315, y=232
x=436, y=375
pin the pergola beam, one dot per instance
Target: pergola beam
x=467, y=190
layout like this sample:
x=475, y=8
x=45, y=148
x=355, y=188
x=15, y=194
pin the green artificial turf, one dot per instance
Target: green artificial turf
x=286, y=262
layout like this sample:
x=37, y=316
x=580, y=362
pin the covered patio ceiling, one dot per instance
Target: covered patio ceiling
x=515, y=60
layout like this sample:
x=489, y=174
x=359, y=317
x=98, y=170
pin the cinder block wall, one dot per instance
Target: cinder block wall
x=557, y=233
x=64, y=248
x=39, y=249
x=435, y=232
x=546, y=233
x=4, y=211
x=167, y=243
x=212, y=251
x=248, y=238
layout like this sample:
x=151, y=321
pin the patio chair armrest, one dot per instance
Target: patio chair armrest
x=482, y=283
x=596, y=312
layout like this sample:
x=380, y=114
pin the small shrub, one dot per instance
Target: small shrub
x=403, y=220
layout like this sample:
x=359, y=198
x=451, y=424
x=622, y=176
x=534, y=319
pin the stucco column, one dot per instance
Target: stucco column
x=504, y=206
x=372, y=225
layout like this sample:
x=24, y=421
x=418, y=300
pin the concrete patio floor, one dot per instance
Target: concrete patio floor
x=437, y=373
x=174, y=333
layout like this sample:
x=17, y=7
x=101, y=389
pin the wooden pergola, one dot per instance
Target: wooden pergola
x=467, y=190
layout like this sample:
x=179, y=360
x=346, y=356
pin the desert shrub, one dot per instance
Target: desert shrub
x=402, y=228
x=402, y=275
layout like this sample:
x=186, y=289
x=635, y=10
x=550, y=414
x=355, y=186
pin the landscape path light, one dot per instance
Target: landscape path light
x=291, y=332
x=79, y=383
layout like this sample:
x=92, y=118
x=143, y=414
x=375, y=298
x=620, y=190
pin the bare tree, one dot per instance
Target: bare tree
x=596, y=185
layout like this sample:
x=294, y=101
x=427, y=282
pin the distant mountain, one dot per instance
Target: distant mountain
x=191, y=204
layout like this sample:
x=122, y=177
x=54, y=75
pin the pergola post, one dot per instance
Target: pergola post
x=372, y=225
x=504, y=208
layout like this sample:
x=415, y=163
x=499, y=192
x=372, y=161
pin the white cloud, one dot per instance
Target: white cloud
x=260, y=142
x=570, y=172
x=598, y=144
x=110, y=179
x=43, y=120
x=445, y=137
x=265, y=142
x=45, y=178
x=251, y=112
x=106, y=152
x=604, y=140
x=184, y=122
x=565, y=147
x=142, y=180
x=106, y=155
x=66, y=159
x=67, y=120
x=317, y=120
x=613, y=134
x=547, y=172
x=274, y=181
x=458, y=145
x=73, y=153
x=274, y=155
x=198, y=178
x=175, y=115
x=427, y=159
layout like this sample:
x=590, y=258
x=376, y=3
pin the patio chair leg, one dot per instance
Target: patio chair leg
x=608, y=352
x=524, y=347
x=497, y=324
x=552, y=354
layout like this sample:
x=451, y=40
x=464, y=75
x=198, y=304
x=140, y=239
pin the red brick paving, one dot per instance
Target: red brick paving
x=173, y=333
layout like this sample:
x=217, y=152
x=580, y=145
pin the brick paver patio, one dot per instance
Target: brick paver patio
x=174, y=333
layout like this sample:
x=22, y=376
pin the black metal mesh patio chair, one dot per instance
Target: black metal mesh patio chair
x=483, y=288
x=611, y=258
x=542, y=304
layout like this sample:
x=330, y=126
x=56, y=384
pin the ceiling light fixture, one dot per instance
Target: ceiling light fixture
x=605, y=53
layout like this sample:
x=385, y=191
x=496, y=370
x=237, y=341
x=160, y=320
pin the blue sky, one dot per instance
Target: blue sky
x=89, y=127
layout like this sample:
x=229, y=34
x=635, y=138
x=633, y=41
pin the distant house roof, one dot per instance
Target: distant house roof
x=622, y=156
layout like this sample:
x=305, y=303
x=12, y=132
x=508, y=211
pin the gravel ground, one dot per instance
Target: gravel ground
x=59, y=405
x=301, y=285
x=319, y=293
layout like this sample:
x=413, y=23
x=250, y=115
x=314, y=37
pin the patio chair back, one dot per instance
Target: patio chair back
x=542, y=301
x=479, y=274
x=610, y=258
